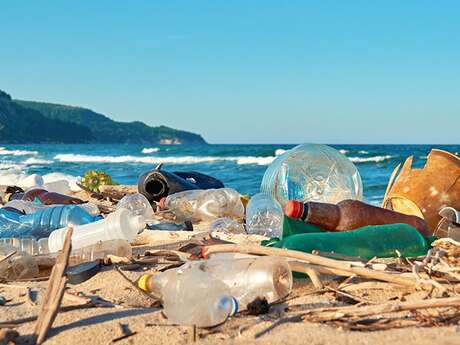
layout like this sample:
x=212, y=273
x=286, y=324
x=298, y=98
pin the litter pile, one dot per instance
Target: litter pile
x=207, y=254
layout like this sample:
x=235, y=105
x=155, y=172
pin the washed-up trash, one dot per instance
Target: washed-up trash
x=82, y=272
x=367, y=242
x=43, y=221
x=121, y=224
x=293, y=226
x=208, y=205
x=264, y=216
x=93, y=180
x=158, y=184
x=423, y=192
x=137, y=204
x=19, y=266
x=28, y=207
x=449, y=226
x=185, y=226
x=349, y=215
x=247, y=278
x=312, y=172
x=226, y=226
x=45, y=197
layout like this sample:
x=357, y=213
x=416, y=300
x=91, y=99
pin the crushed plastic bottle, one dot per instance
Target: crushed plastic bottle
x=312, y=172
x=43, y=221
x=207, y=205
x=137, y=204
x=264, y=216
x=19, y=266
x=194, y=297
x=247, y=278
x=121, y=224
x=227, y=226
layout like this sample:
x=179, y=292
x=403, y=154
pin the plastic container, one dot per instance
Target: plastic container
x=264, y=216
x=377, y=240
x=227, y=226
x=42, y=222
x=28, y=207
x=19, y=266
x=207, y=205
x=194, y=297
x=247, y=278
x=121, y=224
x=137, y=204
x=312, y=172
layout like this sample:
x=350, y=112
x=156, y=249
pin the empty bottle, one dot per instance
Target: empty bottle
x=247, y=278
x=264, y=216
x=373, y=240
x=137, y=204
x=349, y=215
x=312, y=172
x=28, y=207
x=121, y=224
x=158, y=184
x=42, y=222
x=46, y=198
x=207, y=205
x=194, y=297
x=19, y=266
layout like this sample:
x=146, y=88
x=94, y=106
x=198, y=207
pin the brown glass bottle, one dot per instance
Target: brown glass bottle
x=50, y=198
x=349, y=215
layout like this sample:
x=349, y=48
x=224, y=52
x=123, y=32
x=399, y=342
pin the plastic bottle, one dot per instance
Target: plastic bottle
x=312, y=172
x=49, y=198
x=264, y=216
x=194, y=297
x=157, y=184
x=19, y=266
x=247, y=278
x=42, y=222
x=227, y=226
x=28, y=207
x=208, y=205
x=121, y=224
x=137, y=204
x=375, y=240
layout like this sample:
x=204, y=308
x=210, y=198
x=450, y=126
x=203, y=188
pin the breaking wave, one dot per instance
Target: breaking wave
x=37, y=161
x=279, y=152
x=150, y=149
x=241, y=160
x=375, y=159
x=6, y=152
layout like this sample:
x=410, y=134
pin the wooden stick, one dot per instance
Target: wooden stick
x=314, y=259
x=330, y=314
x=7, y=256
x=312, y=273
x=54, y=292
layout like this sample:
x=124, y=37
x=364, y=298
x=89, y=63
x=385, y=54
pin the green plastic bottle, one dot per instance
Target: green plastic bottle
x=292, y=226
x=366, y=242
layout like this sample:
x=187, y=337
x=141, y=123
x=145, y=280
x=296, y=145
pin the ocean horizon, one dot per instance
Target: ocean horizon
x=239, y=166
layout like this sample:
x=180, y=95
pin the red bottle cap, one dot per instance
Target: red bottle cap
x=293, y=209
x=162, y=203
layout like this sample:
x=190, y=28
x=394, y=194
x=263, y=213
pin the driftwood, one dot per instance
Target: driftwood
x=310, y=258
x=54, y=292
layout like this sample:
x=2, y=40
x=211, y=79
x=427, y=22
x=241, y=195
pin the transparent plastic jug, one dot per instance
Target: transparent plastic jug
x=207, y=205
x=264, y=216
x=312, y=172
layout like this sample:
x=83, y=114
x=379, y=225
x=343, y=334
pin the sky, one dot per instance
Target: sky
x=266, y=71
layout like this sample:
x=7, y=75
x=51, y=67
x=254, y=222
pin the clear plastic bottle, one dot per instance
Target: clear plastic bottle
x=194, y=297
x=43, y=221
x=121, y=224
x=247, y=278
x=207, y=205
x=227, y=226
x=19, y=266
x=264, y=216
x=312, y=172
x=137, y=204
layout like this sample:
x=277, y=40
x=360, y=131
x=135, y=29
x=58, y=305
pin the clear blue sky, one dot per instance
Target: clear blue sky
x=245, y=71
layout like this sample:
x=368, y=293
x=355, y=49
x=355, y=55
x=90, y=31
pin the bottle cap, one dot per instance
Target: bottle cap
x=162, y=203
x=82, y=272
x=142, y=282
x=293, y=209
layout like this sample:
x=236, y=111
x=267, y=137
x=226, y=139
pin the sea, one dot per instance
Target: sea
x=239, y=166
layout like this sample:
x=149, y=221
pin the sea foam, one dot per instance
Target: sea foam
x=150, y=149
x=375, y=159
x=5, y=152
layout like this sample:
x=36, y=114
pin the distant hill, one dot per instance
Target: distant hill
x=38, y=122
